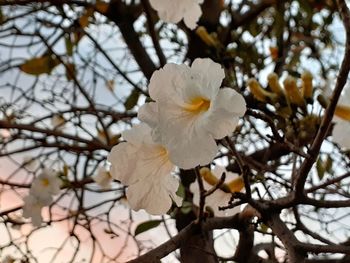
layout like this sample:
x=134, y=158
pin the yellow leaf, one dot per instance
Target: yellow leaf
x=70, y=71
x=65, y=170
x=101, y=7
x=84, y=19
x=77, y=36
x=110, y=85
x=40, y=65
x=69, y=45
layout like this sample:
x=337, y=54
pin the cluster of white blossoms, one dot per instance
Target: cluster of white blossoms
x=41, y=193
x=179, y=128
x=173, y=11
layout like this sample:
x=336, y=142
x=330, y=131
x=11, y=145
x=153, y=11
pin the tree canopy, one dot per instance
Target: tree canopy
x=174, y=130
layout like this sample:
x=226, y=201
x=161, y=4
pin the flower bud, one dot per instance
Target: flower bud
x=292, y=91
x=323, y=100
x=275, y=86
x=202, y=32
x=343, y=112
x=258, y=92
x=307, y=87
x=208, y=176
x=236, y=185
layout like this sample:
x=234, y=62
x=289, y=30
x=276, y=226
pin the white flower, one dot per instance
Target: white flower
x=46, y=184
x=173, y=11
x=234, y=183
x=341, y=128
x=103, y=178
x=191, y=111
x=32, y=208
x=145, y=168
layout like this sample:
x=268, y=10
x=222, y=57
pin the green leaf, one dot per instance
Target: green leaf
x=181, y=191
x=254, y=29
x=39, y=65
x=328, y=164
x=264, y=228
x=101, y=7
x=186, y=207
x=2, y=17
x=84, y=19
x=305, y=5
x=278, y=27
x=145, y=226
x=132, y=100
x=320, y=168
x=69, y=45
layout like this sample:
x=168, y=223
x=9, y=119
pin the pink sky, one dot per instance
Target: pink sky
x=43, y=242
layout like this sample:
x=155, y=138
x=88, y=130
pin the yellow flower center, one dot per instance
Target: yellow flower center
x=198, y=105
x=343, y=112
x=163, y=152
x=45, y=182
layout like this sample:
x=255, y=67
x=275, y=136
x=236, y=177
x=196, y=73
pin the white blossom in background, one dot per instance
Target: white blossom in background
x=46, y=184
x=191, y=111
x=173, y=11
x=144, y=166
x=341, y=128
x=233, y=183
x=103, y=178
x=41, y=193
x=32, y=207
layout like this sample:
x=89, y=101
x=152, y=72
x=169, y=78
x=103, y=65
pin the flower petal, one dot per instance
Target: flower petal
x=192, y=15
x=148, y=113
x=145, y=168
x=164, y=81
x=122, y=168
x=154, y=194
x=223, y=116
x=173, y=11
x=139, y=134
x=187, y=144
x=211, y=74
